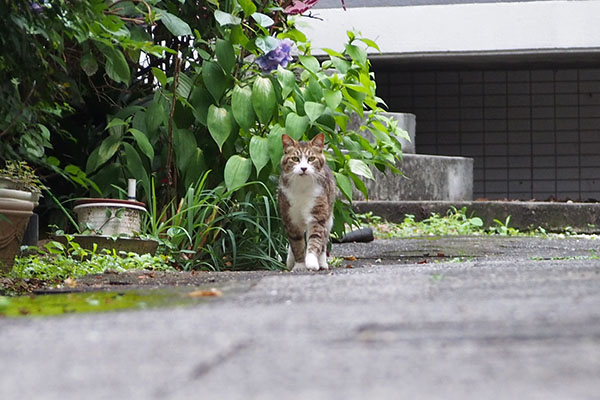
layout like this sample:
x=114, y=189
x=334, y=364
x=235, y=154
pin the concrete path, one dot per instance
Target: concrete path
x=523, y=325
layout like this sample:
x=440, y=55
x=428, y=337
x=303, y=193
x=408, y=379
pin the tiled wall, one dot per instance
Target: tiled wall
x=532, y=133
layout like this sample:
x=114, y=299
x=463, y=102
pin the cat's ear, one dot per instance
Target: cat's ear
x=287, y=141
x=318, y=141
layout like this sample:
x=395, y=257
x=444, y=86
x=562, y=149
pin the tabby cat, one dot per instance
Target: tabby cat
x=306, y=195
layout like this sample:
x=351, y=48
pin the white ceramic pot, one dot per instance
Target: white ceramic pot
x=110, y=217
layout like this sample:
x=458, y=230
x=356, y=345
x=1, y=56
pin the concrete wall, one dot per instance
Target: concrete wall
x=452, y=28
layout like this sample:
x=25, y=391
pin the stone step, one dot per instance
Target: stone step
x=426, y=177
x=553, y=217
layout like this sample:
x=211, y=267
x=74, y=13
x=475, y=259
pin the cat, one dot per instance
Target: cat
x=306, y=195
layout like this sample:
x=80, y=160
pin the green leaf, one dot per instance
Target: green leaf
x=155, y=116
x=264, y=99
x=259, y=152
x=200, y=100
x=248, y=7
x=134, y=163
x=241, y=107
x=287, y=80
x=214, y=79
x=220, y=124
x=341, y=65
x=143, y=143
x=313, y=110
x=310, y=63
x=266, y=43
x=357, y=54
x=224, y=18
x=115, y=122
x=184, y=87
x=160, y=76
x=263, y=20
x=184, y=147
x=225, y=55
x=359, y=167
x=296, y=125
x=333, y=53
x=370, y=43
x=275, y=145
x=116, y=66
x=333, y=98
x=108, y=148
x=89, y=64
x=237, y=171
x=174, y=24
x=345, y=184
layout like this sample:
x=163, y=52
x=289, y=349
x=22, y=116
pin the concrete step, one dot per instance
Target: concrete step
x=426, y=177
x=553, y=217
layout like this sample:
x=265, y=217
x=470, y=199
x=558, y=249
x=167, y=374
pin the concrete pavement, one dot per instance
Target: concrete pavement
x=523, y=322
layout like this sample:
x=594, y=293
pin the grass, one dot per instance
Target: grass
x=455, y=222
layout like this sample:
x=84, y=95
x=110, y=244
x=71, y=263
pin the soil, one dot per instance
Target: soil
x=130, y=280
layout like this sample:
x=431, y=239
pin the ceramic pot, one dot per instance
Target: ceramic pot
x=15, y=211
x=110, y=217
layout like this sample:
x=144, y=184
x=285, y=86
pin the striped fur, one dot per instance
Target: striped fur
x=306, y=195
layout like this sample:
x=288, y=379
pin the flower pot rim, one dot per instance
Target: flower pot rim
x=109, y=202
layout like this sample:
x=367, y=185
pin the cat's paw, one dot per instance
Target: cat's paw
x=311, y=261
x=299, y=267
x=323, y=261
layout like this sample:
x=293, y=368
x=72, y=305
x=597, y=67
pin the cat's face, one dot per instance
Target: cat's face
x=302, y=159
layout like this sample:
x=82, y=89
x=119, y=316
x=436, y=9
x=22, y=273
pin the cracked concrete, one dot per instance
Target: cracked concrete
x=500, y=327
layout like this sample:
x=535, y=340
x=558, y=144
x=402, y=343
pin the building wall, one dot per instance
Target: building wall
x=533, y=133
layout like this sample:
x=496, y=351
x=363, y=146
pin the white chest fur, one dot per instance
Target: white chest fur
x=301, y=194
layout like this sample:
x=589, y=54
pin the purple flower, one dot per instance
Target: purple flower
x=35, y=7
x=278, y=56
x=300, y=6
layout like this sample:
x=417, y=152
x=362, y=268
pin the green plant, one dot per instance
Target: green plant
x=22, y=176
x=57, y=261
x=211, y=228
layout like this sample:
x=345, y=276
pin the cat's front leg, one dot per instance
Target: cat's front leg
x=295, y=252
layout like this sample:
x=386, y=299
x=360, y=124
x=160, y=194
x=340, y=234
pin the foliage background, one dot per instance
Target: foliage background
x=96, y=91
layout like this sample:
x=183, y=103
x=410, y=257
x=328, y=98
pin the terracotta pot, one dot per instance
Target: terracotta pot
x=14, y=216
x=110, y=217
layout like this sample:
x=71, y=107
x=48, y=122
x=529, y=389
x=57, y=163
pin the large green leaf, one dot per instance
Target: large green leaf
x=248, y=7
x=224, y=18
x=296, y=125
x=241, y=107
x=116, y=66
x=143, y=143
x=174, y=24
x=264, y=99
x=155, y=116
x=259, y=152
x=266, y=43
x=263, y=20
x=333, y=98
x=345, y=185
x=220, y=124
x=359, y=167
x=89, y=64
x=357, y=54
x=160, y=76
x=184, y=147
x=108, y=148
x=313, y=110
x=237, y=171
x=275, y=145
x=225, y=55
x=134, y=163
x=287, y=80
x=214, y=79
x=200, y=100
x=184, y=87
x=310, y=63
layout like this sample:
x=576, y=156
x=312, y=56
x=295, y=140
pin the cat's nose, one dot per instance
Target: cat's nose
x=303, y=169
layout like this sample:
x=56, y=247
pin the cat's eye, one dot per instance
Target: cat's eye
x=295, y=159
x=311, y=159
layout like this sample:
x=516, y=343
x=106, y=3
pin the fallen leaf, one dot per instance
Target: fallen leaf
x=441, y=255
x=350, y=258
x=422, y=262
x=206, y=293
x=70, y=283
x=349, y=266
x=142, y=276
